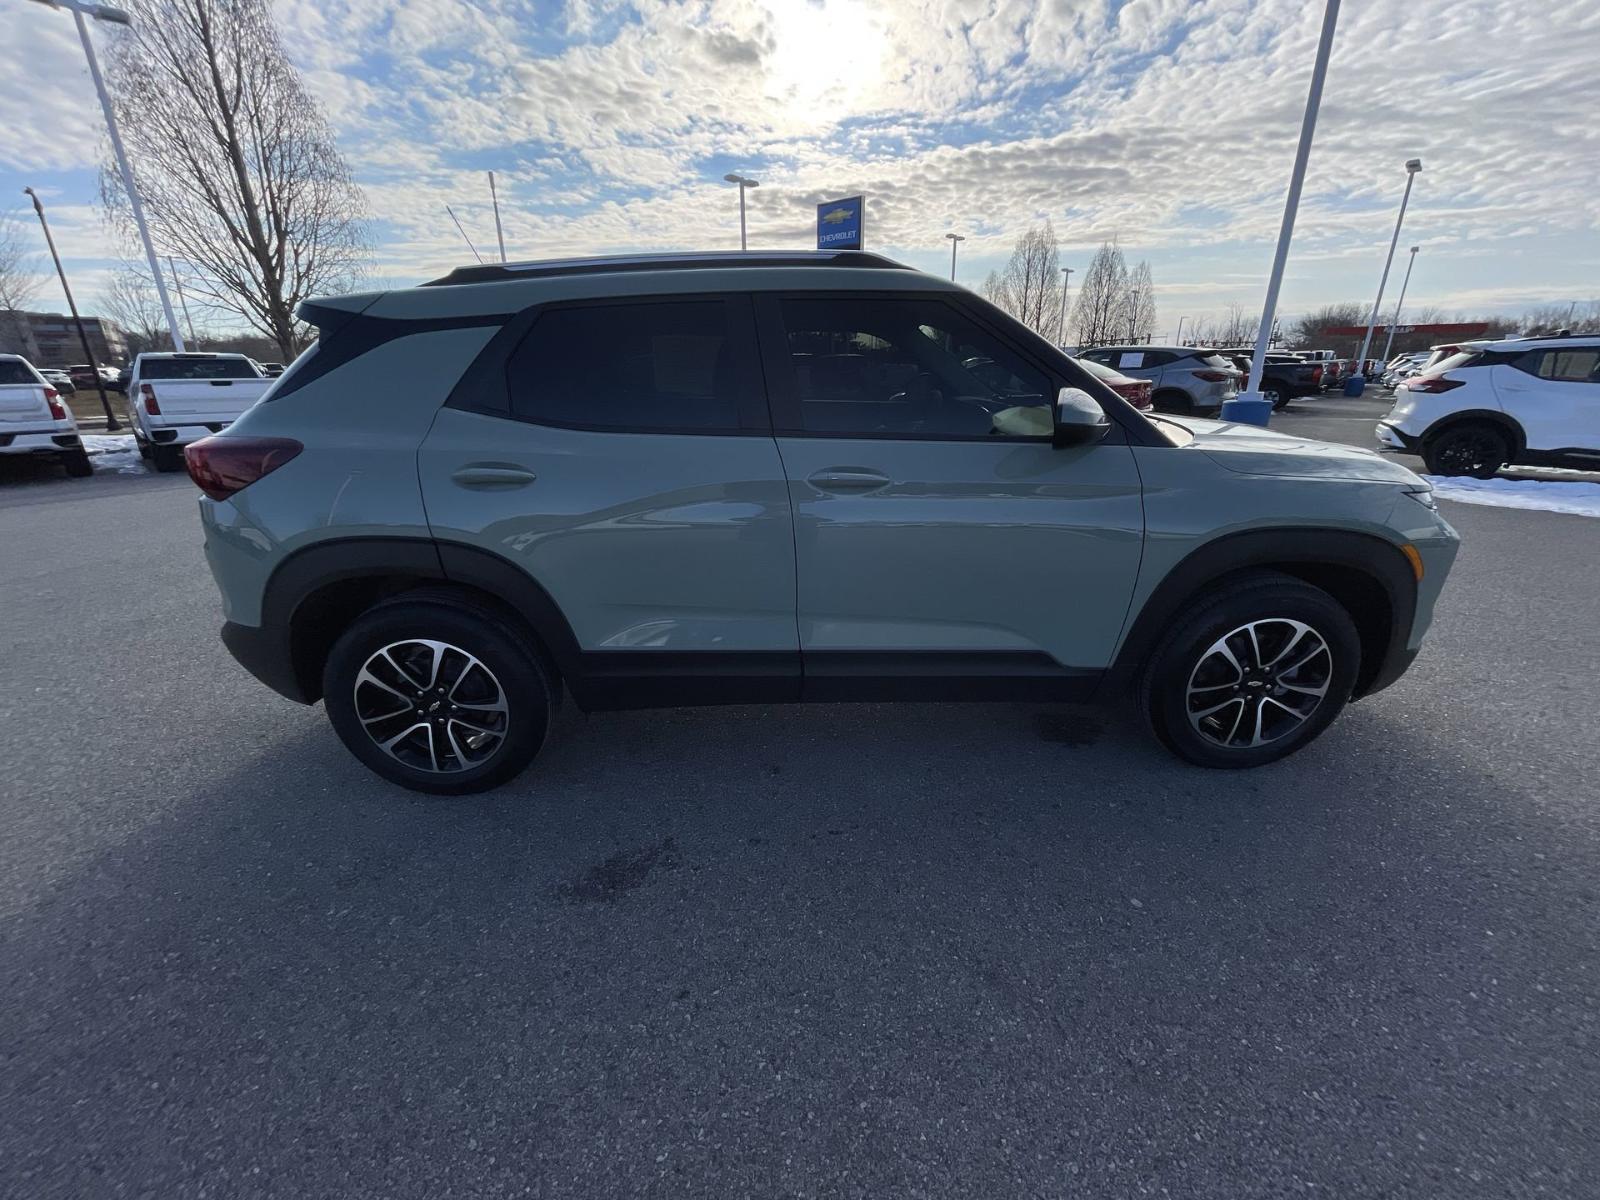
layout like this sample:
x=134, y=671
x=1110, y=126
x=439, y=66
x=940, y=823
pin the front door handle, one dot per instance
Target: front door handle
x=847, y=479
x=493, y=475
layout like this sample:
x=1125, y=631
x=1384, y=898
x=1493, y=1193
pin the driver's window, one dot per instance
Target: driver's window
x=912, y=367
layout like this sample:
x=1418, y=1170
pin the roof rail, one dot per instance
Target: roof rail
x=697, y=260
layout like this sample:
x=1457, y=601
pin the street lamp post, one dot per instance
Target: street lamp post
x=1400, y=303
x=177, y=284
x=743, y=183
x=955, y=240
x=1412, y=167
x=115, y=16
x=1178, y=337
x=1291, y=203
x=1061, y=321
x=72, y=305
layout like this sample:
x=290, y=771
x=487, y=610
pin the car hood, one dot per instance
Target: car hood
x=1251, y=450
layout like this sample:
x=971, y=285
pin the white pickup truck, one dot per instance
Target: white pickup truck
x=34, y=421
x=176, y=399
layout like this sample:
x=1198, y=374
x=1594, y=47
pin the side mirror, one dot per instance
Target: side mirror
x=1079, y=419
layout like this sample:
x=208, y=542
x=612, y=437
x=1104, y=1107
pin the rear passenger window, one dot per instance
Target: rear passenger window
x=1579, y=365
x=655, y=367
x=15, y=372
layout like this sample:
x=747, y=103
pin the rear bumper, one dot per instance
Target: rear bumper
x=264, y=652
x=182, y=435
x=38, y=442
x=1392, y=437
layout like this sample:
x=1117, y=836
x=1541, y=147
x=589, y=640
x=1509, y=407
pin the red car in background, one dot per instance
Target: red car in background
x=1136, y=392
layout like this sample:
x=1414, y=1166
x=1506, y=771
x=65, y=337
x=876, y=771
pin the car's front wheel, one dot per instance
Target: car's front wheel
x=1258, y=669
x=437, y=697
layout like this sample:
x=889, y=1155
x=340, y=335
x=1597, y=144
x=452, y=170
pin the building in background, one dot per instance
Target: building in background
x=51, y=339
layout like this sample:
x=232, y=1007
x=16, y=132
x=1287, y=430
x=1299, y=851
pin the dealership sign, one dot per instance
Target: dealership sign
x=840, y=224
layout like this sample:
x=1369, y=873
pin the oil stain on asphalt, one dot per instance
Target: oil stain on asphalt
x=606, y=882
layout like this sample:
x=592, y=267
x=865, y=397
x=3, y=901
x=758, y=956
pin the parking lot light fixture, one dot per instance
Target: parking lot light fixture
x=1400, y=303
x=1061, y=321
x=955, y=240
x=1291, y=203
x=72, y=306
x=743, y=182
x=1413, y=166
x=116, y=16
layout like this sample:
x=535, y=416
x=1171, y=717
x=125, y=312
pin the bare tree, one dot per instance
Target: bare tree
x=237, y=166
x=1029, y=287
x=134, y=306
x=1137, y=304
x=1308, y=333
x=19, y=267
x=1098, y=314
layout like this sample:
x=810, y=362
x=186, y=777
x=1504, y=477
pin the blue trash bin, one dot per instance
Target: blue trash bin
x=1355, y=385
x=1247, y=410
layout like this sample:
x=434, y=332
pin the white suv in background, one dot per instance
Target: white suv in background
x=1533, y=401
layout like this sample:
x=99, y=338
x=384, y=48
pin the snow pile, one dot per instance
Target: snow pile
x=113, y=452
x=1582, y=499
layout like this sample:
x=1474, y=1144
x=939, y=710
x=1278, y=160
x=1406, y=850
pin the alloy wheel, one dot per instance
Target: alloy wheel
x=1258, y=683
x=431, y=706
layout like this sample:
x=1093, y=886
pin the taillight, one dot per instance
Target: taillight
x=1316, y=374
x=1432, y=384
x=221, y=466
x=1213, y=376
x=150, y=404
x=53, y=399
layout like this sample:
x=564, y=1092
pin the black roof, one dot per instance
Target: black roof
x=697, y=260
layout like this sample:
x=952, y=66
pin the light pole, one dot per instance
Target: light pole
x=1061, y=321
x=72, y=305
x=1412, y=167
x=1178, y=337
x=743, y=183
x=494, y=199
x=177, y=284
x=104, y=12
x=955, y=240
x=1291, y=203
x=1398, y=304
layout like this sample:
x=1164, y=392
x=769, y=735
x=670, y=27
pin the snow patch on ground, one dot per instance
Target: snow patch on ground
x=1581, y=499
x=114, y=452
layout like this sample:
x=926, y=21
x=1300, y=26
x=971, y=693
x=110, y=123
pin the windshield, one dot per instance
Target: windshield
x=197, y=368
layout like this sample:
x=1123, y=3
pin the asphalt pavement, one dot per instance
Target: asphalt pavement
x=874, y=951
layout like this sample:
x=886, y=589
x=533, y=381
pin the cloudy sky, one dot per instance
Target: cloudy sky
x=1166, y=125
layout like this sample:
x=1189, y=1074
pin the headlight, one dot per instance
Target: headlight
x=1423, y=496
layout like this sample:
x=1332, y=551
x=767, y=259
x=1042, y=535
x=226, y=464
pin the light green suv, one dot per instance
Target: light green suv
x=759, y=478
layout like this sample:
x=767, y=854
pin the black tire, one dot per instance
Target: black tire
x=144, y=448
x=167, y=459
x=1186, y=653
x=77, y=464
x=1274, y=395
x=511, y=670
x=1171, y=401
x=1471, y=448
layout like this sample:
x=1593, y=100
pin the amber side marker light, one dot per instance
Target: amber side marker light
x=1414, y=558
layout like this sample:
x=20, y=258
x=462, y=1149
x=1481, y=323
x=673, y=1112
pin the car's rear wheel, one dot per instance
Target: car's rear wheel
x=437, y=697
x=167, y=458
x=1273, y=396
x=1257, y=670
x=1171, y=401
x=1472, y=449
x=77, y=464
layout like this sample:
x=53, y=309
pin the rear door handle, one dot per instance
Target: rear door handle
x=847, y=479
x=493, y=475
